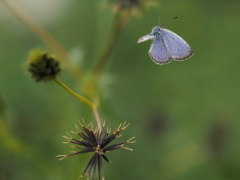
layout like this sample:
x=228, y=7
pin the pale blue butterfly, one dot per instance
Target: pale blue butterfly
x=166, y=46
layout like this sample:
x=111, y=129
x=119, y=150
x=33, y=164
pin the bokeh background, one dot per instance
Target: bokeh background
x=185, y=115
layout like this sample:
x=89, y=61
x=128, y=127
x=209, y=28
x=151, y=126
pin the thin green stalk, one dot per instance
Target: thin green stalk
x=99, y=68
x=102, y=62
x=84, y=100
x=40, y=32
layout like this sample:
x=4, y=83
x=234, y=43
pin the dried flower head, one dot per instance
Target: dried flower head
x=131, y=6
x=96, y=141
x=43, y=66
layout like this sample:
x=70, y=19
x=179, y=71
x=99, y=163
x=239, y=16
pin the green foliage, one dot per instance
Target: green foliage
x=185, y=115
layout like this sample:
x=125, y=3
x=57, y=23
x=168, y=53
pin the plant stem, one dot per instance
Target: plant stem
x=86, y=101
x=102, y=62
x=99, y=68
x=39, y=31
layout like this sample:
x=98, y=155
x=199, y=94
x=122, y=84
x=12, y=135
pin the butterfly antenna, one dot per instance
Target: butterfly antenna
x=169, y=20
x=158, y=19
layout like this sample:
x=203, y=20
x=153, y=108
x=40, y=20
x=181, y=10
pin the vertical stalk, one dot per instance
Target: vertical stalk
x=99, y=68
x=104, y=58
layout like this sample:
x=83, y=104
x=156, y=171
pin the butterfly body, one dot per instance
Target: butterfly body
x=166, y=46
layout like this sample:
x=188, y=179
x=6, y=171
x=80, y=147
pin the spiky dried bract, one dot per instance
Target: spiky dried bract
x=43, y=66
x=98, y=142
x=132, y=7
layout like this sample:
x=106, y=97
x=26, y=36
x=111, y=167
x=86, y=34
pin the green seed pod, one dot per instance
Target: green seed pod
x=43, y=66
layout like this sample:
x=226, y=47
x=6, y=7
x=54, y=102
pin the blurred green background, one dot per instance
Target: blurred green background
x=185, y=115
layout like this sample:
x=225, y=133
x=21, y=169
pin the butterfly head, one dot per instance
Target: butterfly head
x=156, y=29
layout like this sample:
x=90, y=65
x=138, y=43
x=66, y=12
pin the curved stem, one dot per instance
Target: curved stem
x=105, y=56
x=117, y=27
x=85, y=100
x=39, y=31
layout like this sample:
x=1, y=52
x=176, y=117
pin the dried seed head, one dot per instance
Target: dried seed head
x=131, y=7
x=98, y=142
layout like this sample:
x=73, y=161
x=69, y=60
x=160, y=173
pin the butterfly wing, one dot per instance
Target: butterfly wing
x=177, y=48
x=146, y=38
x=158, y=51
